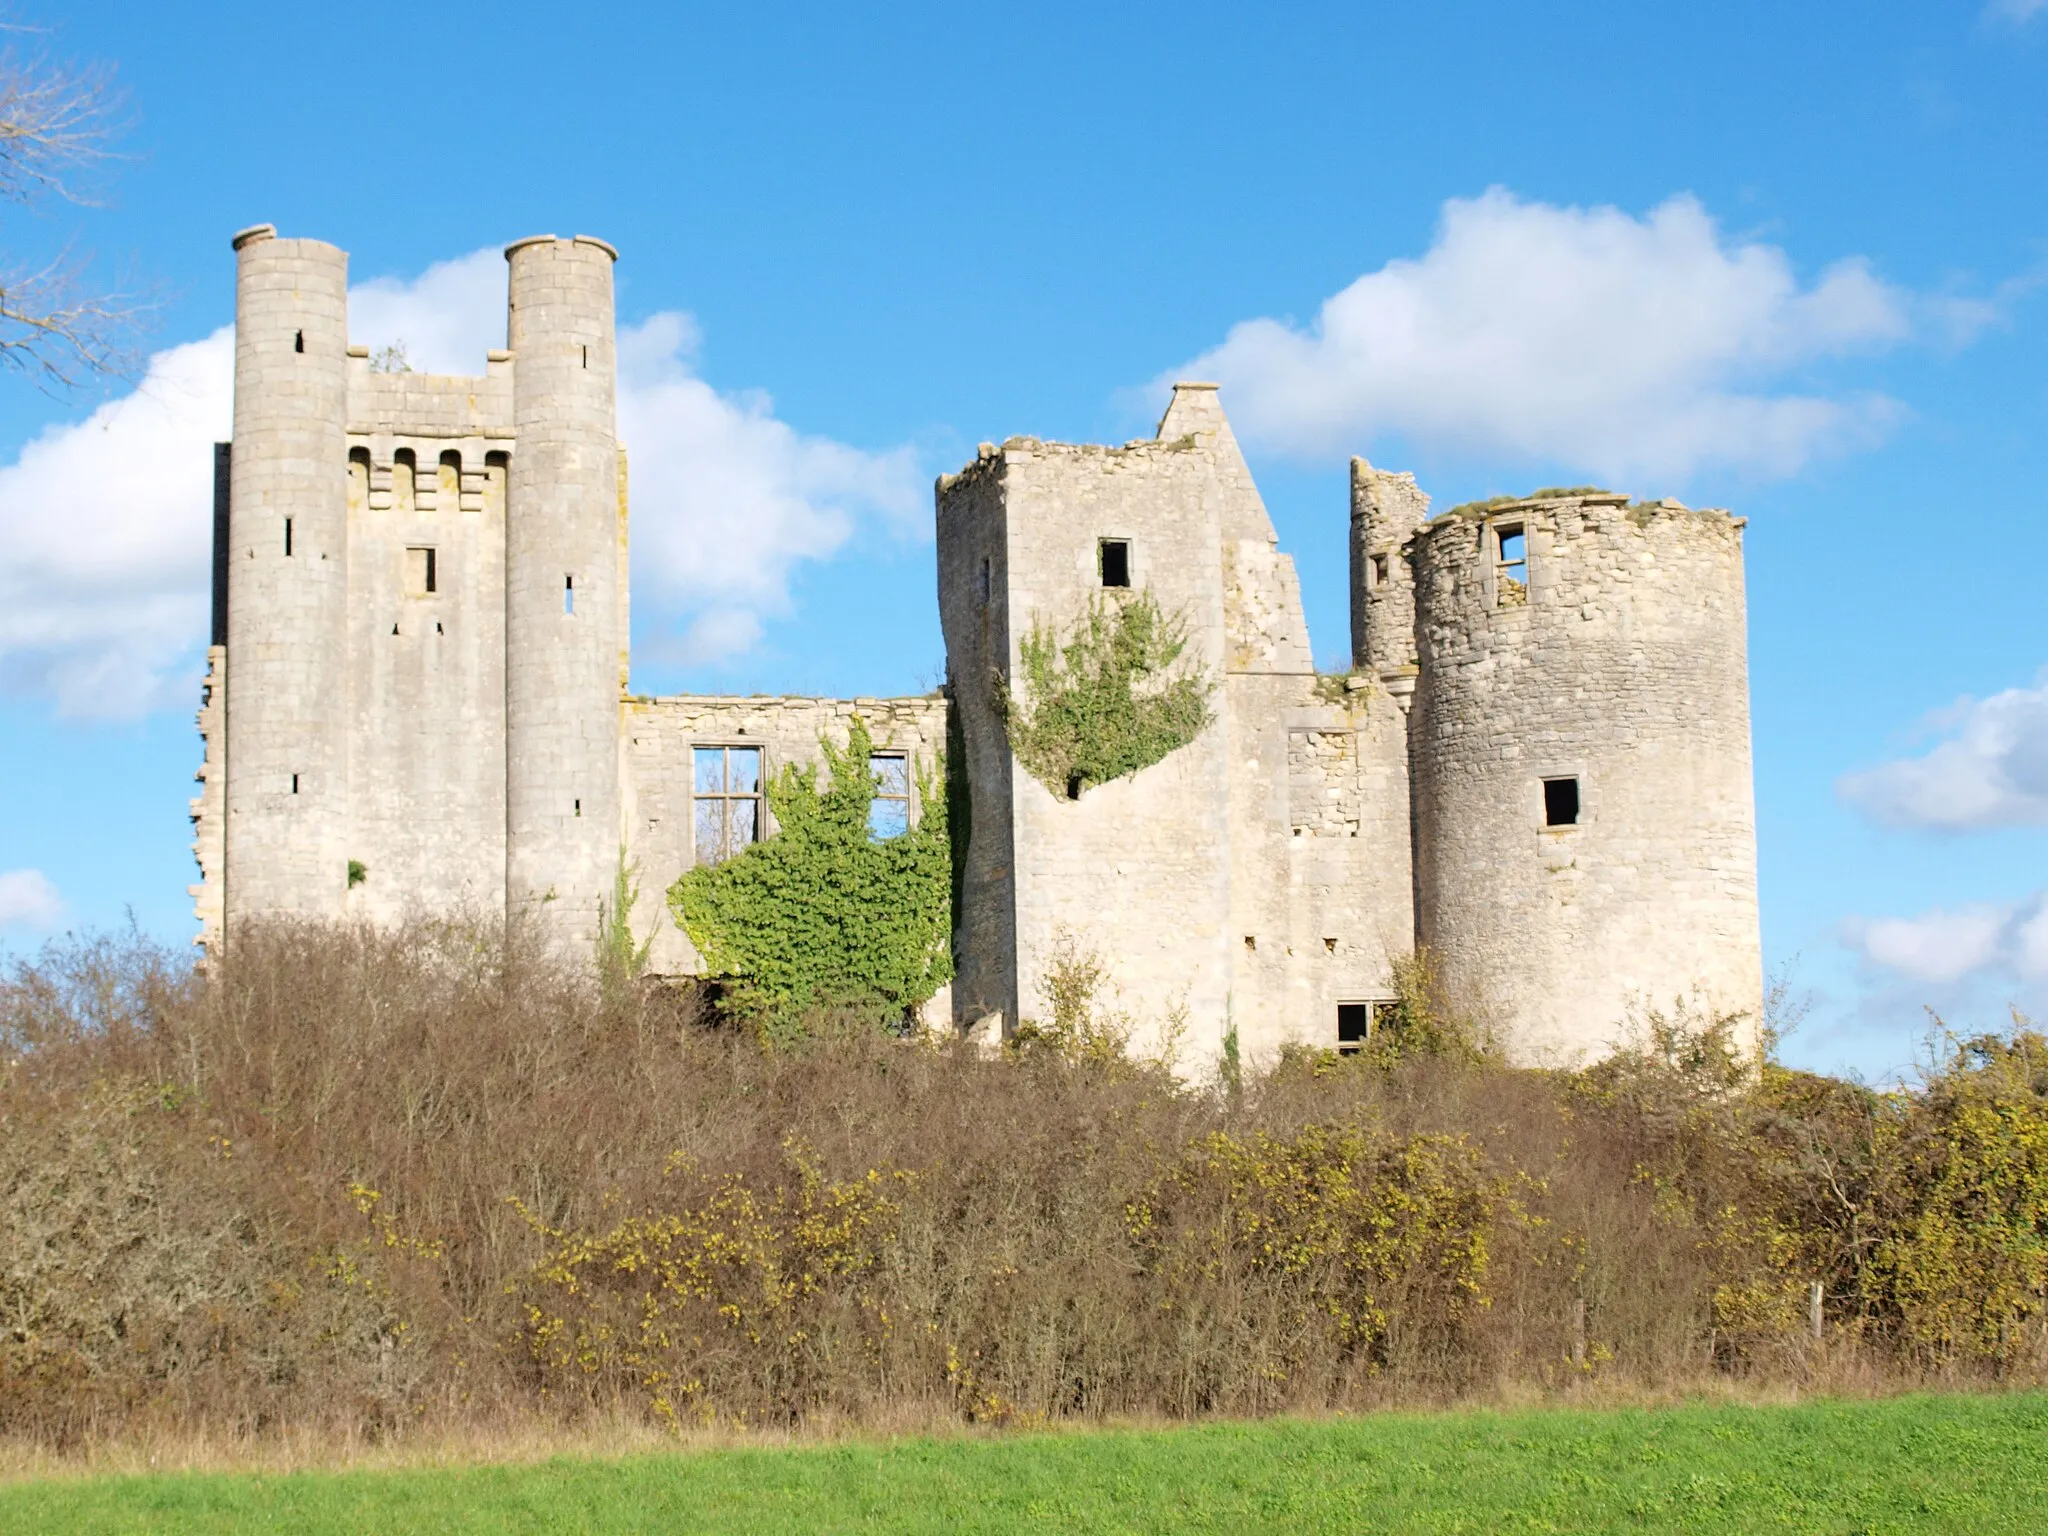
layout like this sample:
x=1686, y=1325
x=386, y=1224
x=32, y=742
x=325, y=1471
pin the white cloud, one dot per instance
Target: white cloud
x=727, y=499
x=1581, y=337
x=106, y=524
x=2014, y=10
x=105, y=533
x=29, y=900
x=1992, y=772
x=1945, y=946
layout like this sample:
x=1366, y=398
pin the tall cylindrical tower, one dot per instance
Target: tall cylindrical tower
x=287, y=581
x=563, y=604
x=1585, y=828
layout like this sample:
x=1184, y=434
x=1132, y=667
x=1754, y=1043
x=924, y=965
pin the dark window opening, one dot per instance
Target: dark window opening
x=422, y=572
x=438, y=629
x=298, y=341
x=586, y=357
x=579, y=807
x=1560, y=802
x=287, y=537
x=295, y=783
x=1116, y=562
x=1074, y=784
x=568, y=594
x=1251, y=944
x=1354, y=1027
x=1330, y=945
x=1379, y=570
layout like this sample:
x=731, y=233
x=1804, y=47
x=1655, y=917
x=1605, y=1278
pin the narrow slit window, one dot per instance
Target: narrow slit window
x=586, y=357
x=568, y=594
x=889, y=811
x=287, y=538
x=295, y=783
x=1561, y=802
x=1379, y=570
x=422, y=572
x=1511, y=568
x=298, y=341
x=726, y=791
x=1115, y=562
x=1354, y=1027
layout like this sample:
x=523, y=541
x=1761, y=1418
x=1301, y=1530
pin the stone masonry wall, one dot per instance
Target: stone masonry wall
x=1625, y=668
x=659, y=735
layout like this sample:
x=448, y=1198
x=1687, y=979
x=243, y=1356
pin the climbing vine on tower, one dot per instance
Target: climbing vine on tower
x=1114, y=696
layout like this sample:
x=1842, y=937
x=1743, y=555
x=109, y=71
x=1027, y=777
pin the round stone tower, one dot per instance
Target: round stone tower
x=287, y=620
x=564, y=607
x=1584, y=825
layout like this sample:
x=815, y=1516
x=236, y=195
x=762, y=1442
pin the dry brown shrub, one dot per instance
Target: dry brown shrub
x=379, y=1180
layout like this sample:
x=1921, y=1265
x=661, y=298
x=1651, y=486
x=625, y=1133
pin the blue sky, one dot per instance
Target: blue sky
x=1784, y=259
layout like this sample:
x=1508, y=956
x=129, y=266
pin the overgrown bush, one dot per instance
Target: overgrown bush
x=824, y=915
x=371, y=1180
x=1114, y=696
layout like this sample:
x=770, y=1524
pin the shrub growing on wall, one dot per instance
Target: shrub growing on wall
x=823, y=914
x=1111, y=698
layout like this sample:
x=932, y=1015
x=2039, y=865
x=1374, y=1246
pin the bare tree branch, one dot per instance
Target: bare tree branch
x=57, y=121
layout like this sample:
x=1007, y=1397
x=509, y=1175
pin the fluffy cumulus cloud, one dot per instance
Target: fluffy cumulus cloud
x=1582, y=337
x=1990, y=771
x=1994, y=942
x=28, y=901
x=106, y=523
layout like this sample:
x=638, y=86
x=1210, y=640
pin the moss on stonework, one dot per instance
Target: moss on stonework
x=1546, y=493
x=1109, y=699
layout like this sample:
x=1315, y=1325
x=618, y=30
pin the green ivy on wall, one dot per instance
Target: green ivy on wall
x=1111, y=698
x=823, y=914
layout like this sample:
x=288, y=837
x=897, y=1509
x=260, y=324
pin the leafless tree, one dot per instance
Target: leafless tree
x=55, y=126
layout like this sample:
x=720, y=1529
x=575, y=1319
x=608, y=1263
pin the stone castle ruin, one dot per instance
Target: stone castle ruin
x=418, y=700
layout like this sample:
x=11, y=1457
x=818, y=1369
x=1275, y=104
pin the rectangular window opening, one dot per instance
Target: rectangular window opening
x=586, y=357
x=726, y=796
x=1115, y=561
x=568, y=594
x=1561, y=802
x=422, y=572
x=287, y=538
x=1511, y=568
x=1379, y=570
x=579, y=807
x=298, y=341
x=889, y=811
x=295, y=783
x=1354, y=1027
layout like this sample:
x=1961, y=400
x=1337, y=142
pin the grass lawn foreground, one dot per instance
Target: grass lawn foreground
x=1926, y=1463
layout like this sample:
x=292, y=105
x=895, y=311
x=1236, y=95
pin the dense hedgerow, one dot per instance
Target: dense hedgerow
x=374, y=1179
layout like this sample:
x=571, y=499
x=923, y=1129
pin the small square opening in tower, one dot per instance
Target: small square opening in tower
x=1379, y=570
x=1115, y=561
x=421, y=574
x=1561, y=802
x=1511, y=568
x=1354, y=1026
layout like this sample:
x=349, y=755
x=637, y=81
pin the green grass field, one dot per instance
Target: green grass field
x=1975, y=1464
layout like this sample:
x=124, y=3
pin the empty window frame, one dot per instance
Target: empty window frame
x=569, y=595
x=1354, y=1027
x=889, y=811
x=1113, y=559
x=1378, y=569
x=1561, y=802
x=422, y=573
x=726, y=790
x=1511, y=565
